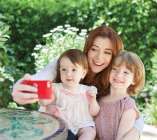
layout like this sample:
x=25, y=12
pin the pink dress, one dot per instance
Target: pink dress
x=108, y=119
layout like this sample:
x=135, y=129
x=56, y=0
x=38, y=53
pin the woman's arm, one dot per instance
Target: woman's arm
x=26, y=94
x=19, y=93
x=126, y=124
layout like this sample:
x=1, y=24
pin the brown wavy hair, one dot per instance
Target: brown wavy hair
x=101, y=79
x=132, y=62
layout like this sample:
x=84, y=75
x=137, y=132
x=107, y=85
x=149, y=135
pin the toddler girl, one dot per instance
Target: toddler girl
x=73, y=102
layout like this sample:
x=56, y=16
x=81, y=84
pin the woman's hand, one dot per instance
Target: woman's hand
x=24, y=94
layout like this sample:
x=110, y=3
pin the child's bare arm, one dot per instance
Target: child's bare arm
x=93, y=104
x=126, y=123
x=94, y=107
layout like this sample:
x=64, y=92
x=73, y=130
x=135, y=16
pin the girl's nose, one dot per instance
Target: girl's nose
x=119, y=73
x=68, y=73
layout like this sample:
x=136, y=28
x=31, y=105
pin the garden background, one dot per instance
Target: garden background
x=32, y=32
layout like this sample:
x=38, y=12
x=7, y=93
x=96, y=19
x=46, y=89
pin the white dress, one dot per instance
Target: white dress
x=74, y=107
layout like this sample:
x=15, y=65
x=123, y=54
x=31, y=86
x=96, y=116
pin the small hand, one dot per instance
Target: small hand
x=53, y=110
x=90, y=96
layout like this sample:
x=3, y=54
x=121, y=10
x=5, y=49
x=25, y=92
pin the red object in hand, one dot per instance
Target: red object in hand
x=44, y=87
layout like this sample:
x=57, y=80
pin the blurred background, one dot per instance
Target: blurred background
x=33, y=32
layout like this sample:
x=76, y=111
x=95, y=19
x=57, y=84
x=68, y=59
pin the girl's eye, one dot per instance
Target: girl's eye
x=114, y=68
x=73, y=70
x=63, y=69
x=126, y=72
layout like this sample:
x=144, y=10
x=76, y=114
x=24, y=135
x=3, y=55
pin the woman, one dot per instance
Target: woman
x=101, y=46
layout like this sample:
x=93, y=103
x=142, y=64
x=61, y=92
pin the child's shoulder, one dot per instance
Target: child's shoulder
x=56, y=86
x=129, y=103
x=128, y=99
x=87, y=88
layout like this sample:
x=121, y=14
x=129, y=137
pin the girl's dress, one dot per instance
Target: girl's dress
x=109, y=117
x=74, y=107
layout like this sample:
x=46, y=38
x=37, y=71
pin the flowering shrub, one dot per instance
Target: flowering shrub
x=58, y=40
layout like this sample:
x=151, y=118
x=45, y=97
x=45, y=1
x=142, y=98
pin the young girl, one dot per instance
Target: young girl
x=118, y=110
x=74, y=102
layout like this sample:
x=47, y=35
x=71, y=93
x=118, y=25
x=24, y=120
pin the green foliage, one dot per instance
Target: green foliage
x=27, y=20
x=57, y=41
x=154, y=66
x=5, y=77
x=133, y=20
x=151, y=108
x=4, y=28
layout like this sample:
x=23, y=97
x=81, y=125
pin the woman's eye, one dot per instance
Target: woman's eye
x=108, y=53
x=93, y=49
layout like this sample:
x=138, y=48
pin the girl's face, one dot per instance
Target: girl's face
x=100, y=54
x=121, y=77
x=70, y=74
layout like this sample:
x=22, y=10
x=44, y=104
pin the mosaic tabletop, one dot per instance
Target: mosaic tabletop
x=30, y=125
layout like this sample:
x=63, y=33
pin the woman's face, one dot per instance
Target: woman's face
x=100, y=54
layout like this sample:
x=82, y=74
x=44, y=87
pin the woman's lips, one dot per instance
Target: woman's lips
x=98, y=64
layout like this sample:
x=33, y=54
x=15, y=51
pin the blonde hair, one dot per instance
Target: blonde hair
x=133, y=62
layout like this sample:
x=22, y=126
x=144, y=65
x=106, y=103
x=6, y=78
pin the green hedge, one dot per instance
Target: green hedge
x=133, y=20
x=5, y=77
x=29, y=20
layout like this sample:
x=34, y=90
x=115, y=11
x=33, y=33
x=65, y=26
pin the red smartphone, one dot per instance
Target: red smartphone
x=44, y=87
